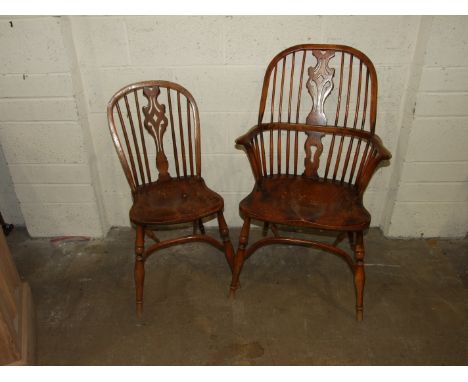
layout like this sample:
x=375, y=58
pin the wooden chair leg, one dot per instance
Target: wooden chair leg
x=201, y=226
x=224, y=232
x=351, y=239
x=198, y=225
x=273, y=227
x=339, y=238
x=139, y=268
x=266, y=225
x=151, y=234
x=275, y=231
x=359, y=275
x=240, y=256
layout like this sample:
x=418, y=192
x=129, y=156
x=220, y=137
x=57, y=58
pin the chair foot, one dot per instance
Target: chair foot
x=233, y=290
x=139, y=309
x=232, y=293
x=359, y=314
x=139, y=284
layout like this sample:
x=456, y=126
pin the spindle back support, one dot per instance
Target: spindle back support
x=155, y=127
x=347, y=154
x=306, y=88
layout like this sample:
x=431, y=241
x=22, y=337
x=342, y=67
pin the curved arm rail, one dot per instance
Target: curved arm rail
x=374, y=150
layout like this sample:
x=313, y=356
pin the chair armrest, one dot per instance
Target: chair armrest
x=383, y=153
x=377, y=154
x=375, y=151
x=246, y=141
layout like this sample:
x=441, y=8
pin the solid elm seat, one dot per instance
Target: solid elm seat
x=298, y=201
x=174, y=201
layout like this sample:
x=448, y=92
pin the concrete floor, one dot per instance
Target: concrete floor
x=296, y=305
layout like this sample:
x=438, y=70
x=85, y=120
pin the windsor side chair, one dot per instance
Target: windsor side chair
x=340, y=152
x=167, y=114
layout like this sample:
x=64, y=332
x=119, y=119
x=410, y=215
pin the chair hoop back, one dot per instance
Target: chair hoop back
x=300, y=86
x=165, y=113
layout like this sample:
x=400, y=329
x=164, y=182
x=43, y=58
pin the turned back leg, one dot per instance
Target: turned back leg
x=139, y=268
x=359, y=275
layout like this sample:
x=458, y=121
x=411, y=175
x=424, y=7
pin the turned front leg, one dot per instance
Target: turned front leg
x=224, y=232
x=240, y=256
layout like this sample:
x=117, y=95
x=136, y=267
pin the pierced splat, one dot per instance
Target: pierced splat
x=311, y=166
x=156, y=123
x=319, y=85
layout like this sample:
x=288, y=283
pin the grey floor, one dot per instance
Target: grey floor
x=296, y=305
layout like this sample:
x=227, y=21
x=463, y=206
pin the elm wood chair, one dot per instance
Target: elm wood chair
x=166, y=113
x=336, y=144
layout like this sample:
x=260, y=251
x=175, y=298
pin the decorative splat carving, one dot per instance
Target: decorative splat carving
x=319, y=85
x=156, y=123
x=314, y=138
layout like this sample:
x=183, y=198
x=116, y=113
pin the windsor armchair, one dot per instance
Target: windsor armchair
x=340, y=153
x=165, y=113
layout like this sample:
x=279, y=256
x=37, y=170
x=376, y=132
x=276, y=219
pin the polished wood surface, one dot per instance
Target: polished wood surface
x=313, y=152
x=155, y=127
x=174, y=201
x=302, y=201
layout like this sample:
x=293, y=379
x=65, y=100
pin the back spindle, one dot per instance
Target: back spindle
x=129, y=149
x=142, y=136
x=263, y=155
x=135, y=140
x=190, y=138
x=280, y=107
x=181, y=135
x=174, y=142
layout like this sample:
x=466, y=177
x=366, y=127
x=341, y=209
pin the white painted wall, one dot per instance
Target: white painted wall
x=9, y=205
x=40, y=130
x=432, y=196
x=54, y=133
